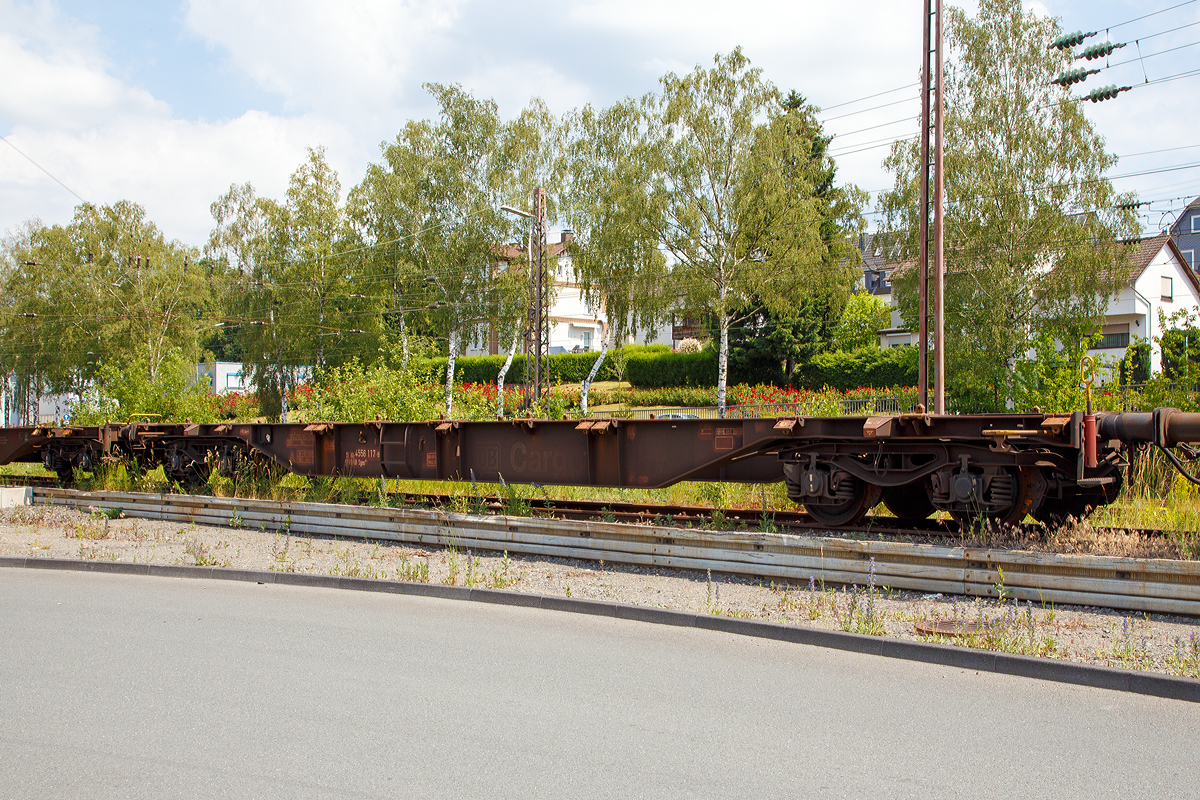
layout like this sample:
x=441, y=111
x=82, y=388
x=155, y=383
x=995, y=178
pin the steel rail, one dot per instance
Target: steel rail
x=672, y=515
x=1152, y=585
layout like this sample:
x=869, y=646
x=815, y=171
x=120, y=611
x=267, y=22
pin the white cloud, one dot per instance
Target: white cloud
x=349, y=75
x=512, y=82
x=107, y=140
x=175, y=168
x=57, y=74
x=336, y=57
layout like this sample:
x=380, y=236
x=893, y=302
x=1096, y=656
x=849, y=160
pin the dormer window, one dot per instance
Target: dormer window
x=1168, y=289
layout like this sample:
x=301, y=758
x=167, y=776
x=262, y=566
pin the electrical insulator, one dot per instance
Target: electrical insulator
x=1099, y=50
x=1069, y=40
x=1074, y=76
x=1105, y=93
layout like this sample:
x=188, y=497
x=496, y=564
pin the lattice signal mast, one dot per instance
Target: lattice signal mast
x=537, y=343
x=932, y=126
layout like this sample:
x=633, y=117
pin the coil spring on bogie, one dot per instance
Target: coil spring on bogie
x=845, y=489
x=1000, y=493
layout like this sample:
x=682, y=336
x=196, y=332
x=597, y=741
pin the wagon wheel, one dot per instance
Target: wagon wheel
x=1019, y=502
x=859, y=498
x=1054, y=511
x=910, y=501
x=183, y=469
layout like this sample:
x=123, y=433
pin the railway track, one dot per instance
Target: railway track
x=38, y=481
x=734, y=519
x=954, y=567
x=682, y=516
x=668, y=515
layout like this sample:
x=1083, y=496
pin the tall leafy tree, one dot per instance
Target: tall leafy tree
x=106, y=287
x=733, y=197
x=615, y=255
x=1032, y=229
x=299, y=292
x=437, y=196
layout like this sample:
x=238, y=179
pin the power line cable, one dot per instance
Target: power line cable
x=872, y=108
x=43, y=169
x=873, y=96
x=1151, y=14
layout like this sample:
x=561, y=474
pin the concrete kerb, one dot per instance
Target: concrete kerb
x=1151, y=684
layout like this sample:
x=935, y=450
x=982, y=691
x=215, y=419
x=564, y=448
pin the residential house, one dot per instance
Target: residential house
x=877, y=281
x=575, y=325
x=1160, y=279
x=1186, y=232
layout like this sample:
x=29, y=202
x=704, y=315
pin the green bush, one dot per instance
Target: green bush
x=866, y=366
x=564, y=367
x=127, y=387
x=649, y=369
x=353, y=392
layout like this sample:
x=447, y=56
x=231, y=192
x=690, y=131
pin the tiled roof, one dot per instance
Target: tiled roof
x=1145, y=252
x=872, y=254
x=514, y=252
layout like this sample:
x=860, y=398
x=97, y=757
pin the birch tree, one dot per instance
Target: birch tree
x=1033, y=230
x=615, y=254
x=447, y=181
x=106, y=287
x=733, y=197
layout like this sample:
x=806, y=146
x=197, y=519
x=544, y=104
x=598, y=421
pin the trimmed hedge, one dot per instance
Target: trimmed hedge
x=564, y=367
x=867, y=366
x=657, y=370
x=839, y=370
x=656, y=367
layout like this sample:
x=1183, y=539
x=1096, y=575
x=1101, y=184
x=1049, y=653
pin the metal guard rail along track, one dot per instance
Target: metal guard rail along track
x=993, y=468
x=1152, y=585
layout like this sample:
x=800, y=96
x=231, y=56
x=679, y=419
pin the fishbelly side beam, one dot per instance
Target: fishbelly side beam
x=615, y=453
x=620, y=453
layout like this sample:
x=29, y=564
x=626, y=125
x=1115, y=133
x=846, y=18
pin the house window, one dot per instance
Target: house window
x=587, y=340
x=233, y=380
x=1190, y=256
x=1196, y=223
x=1168, y=291
x=1114, y=337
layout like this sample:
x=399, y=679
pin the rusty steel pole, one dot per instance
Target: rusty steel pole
x=531, y=326
x=923, y=278
x=939, y=250
x=539, y=311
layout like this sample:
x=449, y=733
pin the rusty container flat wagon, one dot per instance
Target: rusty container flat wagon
x=999, y=467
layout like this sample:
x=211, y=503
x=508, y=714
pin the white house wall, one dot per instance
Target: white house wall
x=1138, y=305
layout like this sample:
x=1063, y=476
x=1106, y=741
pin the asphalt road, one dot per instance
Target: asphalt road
x=132, y=687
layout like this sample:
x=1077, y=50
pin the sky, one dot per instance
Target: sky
x=169, y=103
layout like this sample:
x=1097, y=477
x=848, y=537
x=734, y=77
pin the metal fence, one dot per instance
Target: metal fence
x=858, y=407
x=1132, y=396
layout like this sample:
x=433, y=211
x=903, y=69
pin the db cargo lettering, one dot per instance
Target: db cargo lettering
x=537, y=462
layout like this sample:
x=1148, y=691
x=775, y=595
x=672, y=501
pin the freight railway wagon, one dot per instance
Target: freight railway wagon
x=999, y=467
